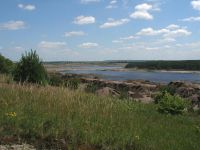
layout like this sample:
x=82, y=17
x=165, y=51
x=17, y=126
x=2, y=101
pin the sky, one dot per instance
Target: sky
x=95, y=30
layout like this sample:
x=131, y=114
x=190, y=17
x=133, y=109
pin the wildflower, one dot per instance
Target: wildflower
x=11, y=114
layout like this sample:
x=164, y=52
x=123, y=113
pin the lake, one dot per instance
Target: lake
x=116, y=73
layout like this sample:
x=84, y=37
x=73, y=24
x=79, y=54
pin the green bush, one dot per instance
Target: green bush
x=72, y=83
x=172, y=104
x=168, y=89
x=6, y=65
x=56, y=80
x=30, y=69
x=92, y=88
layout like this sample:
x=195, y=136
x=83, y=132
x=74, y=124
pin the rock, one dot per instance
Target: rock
x=142, y=90
x=17, y=147
x=187, y=90
x=135, y=95
x=106, y=91
x=195, y=99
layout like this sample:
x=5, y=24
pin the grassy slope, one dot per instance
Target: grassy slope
x=83, y=118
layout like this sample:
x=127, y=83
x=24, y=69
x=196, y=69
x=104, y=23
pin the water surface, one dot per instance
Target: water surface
x=114, y=73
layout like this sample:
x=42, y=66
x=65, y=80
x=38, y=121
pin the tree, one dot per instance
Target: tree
x=6, y=65
x=30, y=69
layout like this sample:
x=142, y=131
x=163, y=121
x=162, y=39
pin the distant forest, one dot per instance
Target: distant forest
x=166, y=65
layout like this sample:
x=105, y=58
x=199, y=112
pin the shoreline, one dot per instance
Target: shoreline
x=123, y=70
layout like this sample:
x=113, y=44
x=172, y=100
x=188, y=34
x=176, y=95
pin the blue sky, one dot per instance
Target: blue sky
x=77, y=30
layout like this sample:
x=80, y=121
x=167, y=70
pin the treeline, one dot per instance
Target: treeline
x=166, y=65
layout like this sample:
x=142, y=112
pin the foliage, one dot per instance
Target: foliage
x=55, y=80
x=168, y=65
x=172, y=104
x=54, y=115
x=6, y=65
x=4, y=78
x=163, y=90
x=30, y=69
x=72, y=83
x=171, y=90
x=92, y=87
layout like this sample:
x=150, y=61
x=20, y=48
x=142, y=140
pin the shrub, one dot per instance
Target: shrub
x=171, y=90
x=6, y=65
x=30, y=69
x=72, y=83
x=56, y=80
x=92, y=88
x=172, y=104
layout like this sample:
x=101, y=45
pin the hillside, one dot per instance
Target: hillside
x=56, y=117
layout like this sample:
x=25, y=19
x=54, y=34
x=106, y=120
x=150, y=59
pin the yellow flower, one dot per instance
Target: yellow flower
x=11, y=114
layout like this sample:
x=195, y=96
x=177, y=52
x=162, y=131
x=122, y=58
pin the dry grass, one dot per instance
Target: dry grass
x=59, y=116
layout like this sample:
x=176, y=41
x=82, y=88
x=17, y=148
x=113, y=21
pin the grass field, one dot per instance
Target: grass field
x=48, y=115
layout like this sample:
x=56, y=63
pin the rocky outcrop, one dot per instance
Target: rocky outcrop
x=188, y=90
x=137, y=90
x=141, y=90
x=107, y=91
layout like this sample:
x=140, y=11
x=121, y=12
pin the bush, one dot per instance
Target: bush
x=172, y=104
x=6, y=65
x=30, y=69
x=72, y=83
x=92, y=88
x=56, y=80
x=171, y=90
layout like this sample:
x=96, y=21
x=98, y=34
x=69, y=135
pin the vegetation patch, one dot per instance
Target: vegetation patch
x=6, y=65
x=30, y=69
x=172, y=104
x=167, y=65
x=56, y=117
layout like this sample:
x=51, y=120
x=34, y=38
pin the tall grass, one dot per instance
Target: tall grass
x=58, y=115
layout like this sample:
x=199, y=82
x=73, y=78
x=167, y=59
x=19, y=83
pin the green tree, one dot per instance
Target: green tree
x=6, y=65
x=30, y=69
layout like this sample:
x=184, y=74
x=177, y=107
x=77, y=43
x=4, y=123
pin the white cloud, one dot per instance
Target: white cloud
x=143, y=7
x=152, y=32
x=196, y=4
x=88, y=45
x=141, y=15
x=191, y=19
x=51, y=45
x=27, y=7
x=129, y=37
x=142, y=12
x=114, y=23
x=12, y=25
x=177, y=33
x=81, y=20
x=170, y=32
x=112, y=4
x=74, y=33
x=173, y=26
x=166, y=35
x=89, y=1
x=117, y=41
